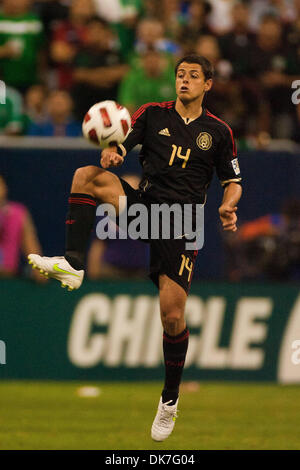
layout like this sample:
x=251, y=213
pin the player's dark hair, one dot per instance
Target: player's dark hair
x=206, y=66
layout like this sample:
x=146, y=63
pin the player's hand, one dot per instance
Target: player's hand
x=110, y=157
x=228, y=217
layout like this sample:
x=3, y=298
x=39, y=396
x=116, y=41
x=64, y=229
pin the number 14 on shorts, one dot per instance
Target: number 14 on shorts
x=186, y=263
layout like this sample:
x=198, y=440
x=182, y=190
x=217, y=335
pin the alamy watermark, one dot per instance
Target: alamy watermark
x=296, y=94
x=296, y=354
x=2, y=92
x=2, y=353
x=152, y=222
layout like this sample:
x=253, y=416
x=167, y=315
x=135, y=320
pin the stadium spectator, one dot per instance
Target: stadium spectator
x=151, y=35
x=151, y=8
x=52, y=11
x=21, y=42
x=267, y=248
x=236, y=44
x=118, y=258
x=284, y=10
x=110, y=10
x=220, y=18
x=59, y=121
x=98, y=68
x=11, y=113
x=236, y=47
x=170, y=14
x=208, y=46
x=152, y=81
x=292, y=31
x=131, y=11
x=17, y=234
x=34, y=102
x=272, y=68
x=68, y=37
x=196, y=24
x=224, y=99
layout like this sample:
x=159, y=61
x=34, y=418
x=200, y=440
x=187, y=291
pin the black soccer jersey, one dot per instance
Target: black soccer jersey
x=179, y=158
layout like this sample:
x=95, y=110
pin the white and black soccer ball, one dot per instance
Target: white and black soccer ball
x=106, y=123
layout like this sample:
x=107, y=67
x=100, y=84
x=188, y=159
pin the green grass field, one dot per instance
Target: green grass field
x=51, y=415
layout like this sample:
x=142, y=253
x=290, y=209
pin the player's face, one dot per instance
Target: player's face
x=190, y=82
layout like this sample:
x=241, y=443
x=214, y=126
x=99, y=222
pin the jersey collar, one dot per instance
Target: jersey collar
x=191, y=120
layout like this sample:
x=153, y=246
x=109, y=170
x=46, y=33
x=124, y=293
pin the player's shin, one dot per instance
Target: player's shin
x=79, y=223
x=175, y=349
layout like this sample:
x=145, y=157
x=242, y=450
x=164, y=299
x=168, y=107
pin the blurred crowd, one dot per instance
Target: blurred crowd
x=59, y=57
x=266, y=248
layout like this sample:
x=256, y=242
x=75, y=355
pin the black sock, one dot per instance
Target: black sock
x=175, y=349
x=79, y=223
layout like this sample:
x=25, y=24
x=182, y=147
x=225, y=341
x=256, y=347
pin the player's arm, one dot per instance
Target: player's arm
x=228, y=208
x=101, y=76
x=230, y=177
x=114, y=155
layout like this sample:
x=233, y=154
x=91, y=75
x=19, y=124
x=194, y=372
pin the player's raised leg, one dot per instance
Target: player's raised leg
x=175, y=345
x=90, y=185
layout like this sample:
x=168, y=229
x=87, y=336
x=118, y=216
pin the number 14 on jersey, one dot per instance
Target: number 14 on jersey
x=177, y=153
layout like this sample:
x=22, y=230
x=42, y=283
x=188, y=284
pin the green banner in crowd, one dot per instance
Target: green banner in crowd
x=112, y=331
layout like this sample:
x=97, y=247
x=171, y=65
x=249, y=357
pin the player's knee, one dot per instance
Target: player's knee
x=80, y=177
x=84, y=176
x=172, y=306
x=172, y=317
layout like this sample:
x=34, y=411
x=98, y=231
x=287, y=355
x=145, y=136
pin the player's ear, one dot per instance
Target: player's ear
x=208, y=84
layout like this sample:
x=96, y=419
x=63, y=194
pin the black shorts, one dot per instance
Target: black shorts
x=168, y=257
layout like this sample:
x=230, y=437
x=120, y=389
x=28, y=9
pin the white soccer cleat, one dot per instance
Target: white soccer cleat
x=58, y=268
x=164, y=421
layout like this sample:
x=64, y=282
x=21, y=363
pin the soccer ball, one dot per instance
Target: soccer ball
x=106, y=123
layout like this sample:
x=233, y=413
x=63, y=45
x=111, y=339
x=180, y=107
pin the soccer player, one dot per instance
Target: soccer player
x=182, y=142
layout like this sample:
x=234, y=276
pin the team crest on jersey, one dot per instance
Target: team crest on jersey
x=204, y=141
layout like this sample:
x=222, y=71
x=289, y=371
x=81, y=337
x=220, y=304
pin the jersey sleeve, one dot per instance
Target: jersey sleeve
x=137, y=134
x=227, y=164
